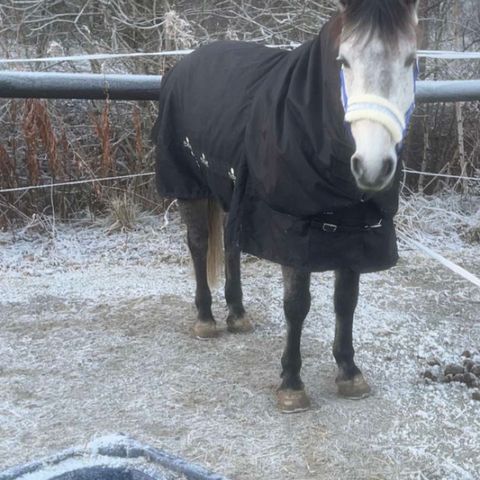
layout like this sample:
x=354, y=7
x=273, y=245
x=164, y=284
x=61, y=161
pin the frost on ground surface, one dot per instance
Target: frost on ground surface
x=95, y=339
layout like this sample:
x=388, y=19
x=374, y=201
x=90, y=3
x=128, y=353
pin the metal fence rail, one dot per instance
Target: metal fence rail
x=83, y=86
x=87, y=86
x=448, y=91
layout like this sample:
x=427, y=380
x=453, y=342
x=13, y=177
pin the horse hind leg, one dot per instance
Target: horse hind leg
x=350, y=381
x=237, y=320
x=201, y=219
x=291, y=396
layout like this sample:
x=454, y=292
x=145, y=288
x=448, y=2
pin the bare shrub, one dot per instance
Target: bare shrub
x=102, y=126
x=29, y=132
x=7, y=169
x=122, y=213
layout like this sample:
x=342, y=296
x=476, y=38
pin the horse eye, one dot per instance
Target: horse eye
x=342, y=61
x=410, y=60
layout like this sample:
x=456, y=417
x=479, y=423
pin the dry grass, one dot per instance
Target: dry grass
x=60, y=142
x=64, y=140
x=29, y=133
x=102, y=126
x=435, y=219
x=122, y=214
x=39, y=224
x=472, y=235
x=7, y=169
x=137, y=124
x=38, y=130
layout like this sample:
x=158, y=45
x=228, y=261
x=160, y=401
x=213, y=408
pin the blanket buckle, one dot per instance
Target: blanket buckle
x=329, y=227
x=377, y=225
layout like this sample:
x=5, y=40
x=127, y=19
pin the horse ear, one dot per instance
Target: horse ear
x=413, y=4
x=343, y=4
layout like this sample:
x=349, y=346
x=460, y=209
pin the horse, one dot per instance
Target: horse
x=294, y=155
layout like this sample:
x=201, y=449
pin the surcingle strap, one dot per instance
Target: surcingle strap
x=377, y=109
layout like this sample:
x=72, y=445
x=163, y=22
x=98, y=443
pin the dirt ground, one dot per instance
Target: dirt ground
x=94, y=339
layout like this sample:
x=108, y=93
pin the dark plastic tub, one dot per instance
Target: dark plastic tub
x=114, y=457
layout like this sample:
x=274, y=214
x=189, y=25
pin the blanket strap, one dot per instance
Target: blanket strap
x=233, y=226
x=334, y=228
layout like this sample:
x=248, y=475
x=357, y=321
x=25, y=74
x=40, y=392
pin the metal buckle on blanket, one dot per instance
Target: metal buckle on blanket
x=372, y=227
x=329, y=227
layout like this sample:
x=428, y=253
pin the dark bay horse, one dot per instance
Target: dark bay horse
x=300, y=149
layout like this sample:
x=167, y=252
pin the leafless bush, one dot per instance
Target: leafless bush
x=444, y=137
x=122, y=213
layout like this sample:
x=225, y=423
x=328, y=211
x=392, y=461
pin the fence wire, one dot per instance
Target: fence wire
x=151, y=174
x=76, y=182
x=402, y=235
x=438, y=54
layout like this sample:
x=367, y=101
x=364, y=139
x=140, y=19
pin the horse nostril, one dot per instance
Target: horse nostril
x=388, y=167
x=357, y=166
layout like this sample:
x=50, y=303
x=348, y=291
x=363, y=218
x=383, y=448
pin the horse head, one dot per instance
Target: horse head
x=377, y=54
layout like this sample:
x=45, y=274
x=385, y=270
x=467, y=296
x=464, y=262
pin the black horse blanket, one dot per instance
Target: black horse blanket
x=262, y=130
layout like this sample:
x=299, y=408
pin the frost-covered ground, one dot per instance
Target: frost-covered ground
x=94, y=339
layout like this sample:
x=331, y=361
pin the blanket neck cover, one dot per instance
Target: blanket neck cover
x=266, y=133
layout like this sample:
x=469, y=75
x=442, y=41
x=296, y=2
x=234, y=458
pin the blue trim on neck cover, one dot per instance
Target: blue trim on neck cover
x=408, y=116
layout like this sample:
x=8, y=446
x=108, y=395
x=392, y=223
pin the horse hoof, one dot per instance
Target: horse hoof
x=292, y=401
x=205, y=330
x=239, y=324
x=355, y=389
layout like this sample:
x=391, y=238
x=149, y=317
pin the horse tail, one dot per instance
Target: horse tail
x=215, y=242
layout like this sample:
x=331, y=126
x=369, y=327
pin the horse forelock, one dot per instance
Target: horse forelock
x=387, y=19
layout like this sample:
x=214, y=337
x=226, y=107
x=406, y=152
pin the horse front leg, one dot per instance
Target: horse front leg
x=350, y=381
x=291, y=395
x=237, y=321
x=195, y=215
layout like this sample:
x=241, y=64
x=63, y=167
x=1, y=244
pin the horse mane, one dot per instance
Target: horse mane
x=387, y=18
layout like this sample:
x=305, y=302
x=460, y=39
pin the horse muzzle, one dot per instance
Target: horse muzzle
x=381, y=180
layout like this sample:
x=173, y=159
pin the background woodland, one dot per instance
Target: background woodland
x=59, y=141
